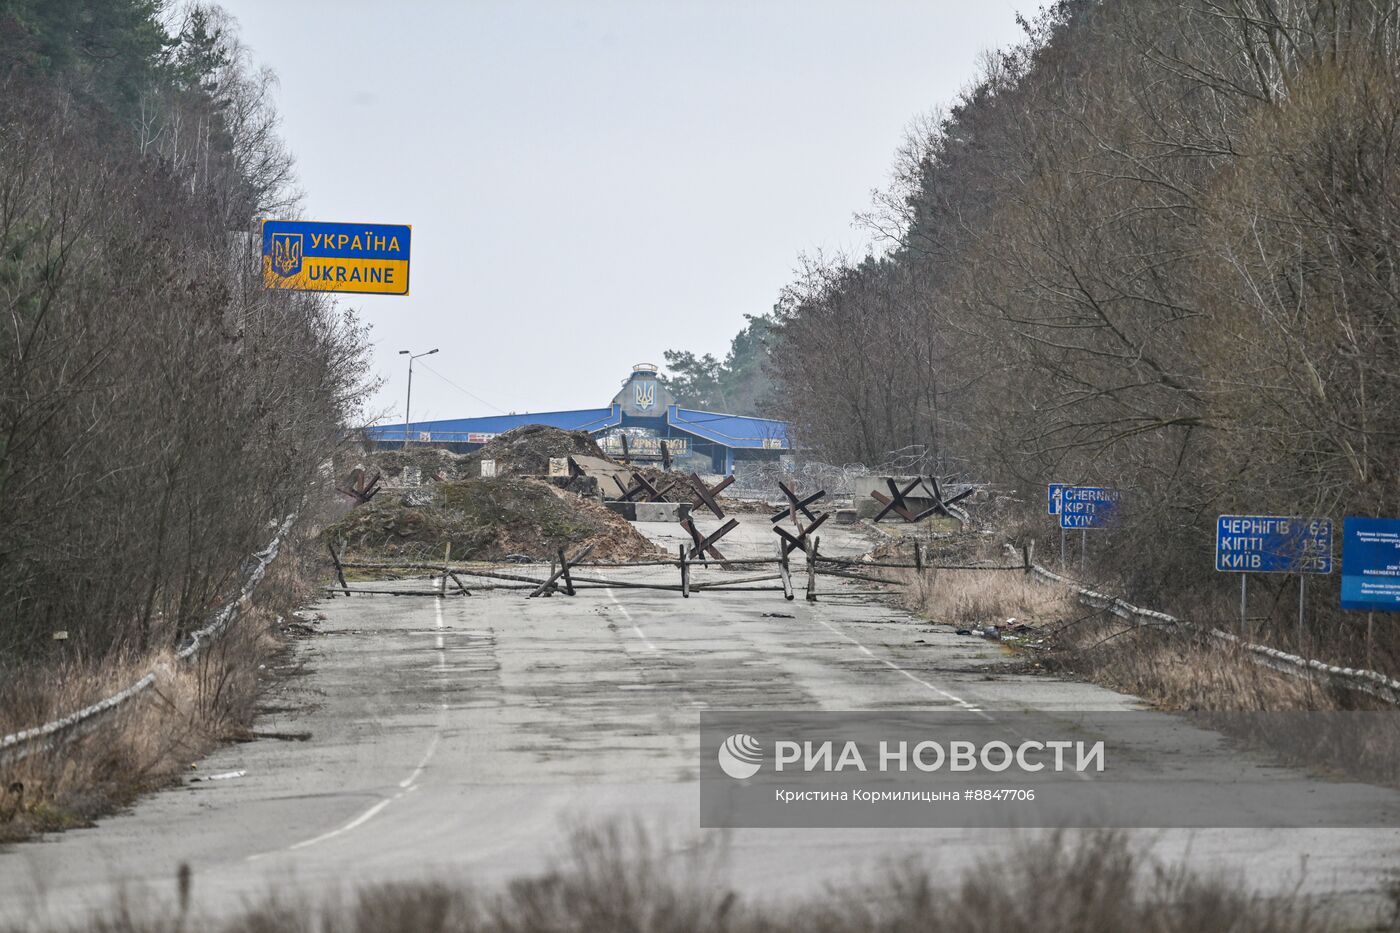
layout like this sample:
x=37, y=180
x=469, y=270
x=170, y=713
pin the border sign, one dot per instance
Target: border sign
x=311, y=256
x=1371, y=564
x=1273, y=544
x=1087, y=507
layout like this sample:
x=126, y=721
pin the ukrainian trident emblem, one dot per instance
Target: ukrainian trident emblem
x=644, y=393
x=286, y=253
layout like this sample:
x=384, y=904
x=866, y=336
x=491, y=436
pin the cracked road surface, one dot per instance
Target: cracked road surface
x=465, y=738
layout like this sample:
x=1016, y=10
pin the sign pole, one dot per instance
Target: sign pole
x=1302, y=605
x=1370, y=617
x=1244, y=604
x=1083, y=549
x=1062, y=547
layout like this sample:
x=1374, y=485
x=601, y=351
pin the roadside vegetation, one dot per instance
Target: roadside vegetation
x=1155, y=246
x=160, y=414
x=1096, y=882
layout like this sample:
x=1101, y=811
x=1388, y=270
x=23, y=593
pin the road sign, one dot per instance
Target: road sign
x=329, y=257
x=1088, y=507
x=1052, y=495
x=1371, y=564
x=1273, y=544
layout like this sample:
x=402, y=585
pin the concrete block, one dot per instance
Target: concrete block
x=662, y=511
x=627, y=510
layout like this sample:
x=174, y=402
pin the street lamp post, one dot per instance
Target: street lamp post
x=408, y=402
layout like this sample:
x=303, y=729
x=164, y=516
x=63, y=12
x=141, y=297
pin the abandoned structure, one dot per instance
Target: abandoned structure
x=640, y=418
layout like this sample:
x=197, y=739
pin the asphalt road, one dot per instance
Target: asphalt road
x=465, y=738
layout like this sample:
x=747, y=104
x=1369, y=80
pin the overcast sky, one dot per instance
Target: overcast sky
x=591, y=183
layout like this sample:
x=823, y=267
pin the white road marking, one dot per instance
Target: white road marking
x=1082, y=775
x=698, y=704
x=407, y=786
x=918, y=680
x=432, y=747
x=628, y=616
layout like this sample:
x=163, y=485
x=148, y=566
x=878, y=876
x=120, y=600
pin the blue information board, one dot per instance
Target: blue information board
x=1371, y=564
x=1088, y=507
x=1273, y=544
x=1053, y=492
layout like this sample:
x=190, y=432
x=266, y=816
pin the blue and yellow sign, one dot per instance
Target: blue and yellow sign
x=323, y=257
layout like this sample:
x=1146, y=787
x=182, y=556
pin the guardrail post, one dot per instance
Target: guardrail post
x=1027, y=553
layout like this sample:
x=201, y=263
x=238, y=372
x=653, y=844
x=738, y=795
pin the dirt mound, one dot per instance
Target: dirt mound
x=487, y=519
x=527, y=450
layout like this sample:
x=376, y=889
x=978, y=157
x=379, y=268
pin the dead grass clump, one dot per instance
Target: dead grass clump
x=1177, y=669
x=984, y=597
x=1093, y=882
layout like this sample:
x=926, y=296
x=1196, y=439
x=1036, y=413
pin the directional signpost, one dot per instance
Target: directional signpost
x=1082, y=507
x=1088, y=507
x=1246, y=544
x=330, y=257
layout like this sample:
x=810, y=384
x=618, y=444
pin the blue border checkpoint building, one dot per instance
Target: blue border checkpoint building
x=644, y=410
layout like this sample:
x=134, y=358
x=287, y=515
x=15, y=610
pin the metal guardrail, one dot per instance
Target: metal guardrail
x=20, y=745
x=1370, y=682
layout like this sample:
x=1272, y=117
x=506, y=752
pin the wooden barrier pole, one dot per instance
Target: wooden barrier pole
x=685, y=573
x=568, y=581
x=339, y=571
x=851, y=575
x=562, y=571
x=812, y=570
x=446, y=563
x=465, y=591
x=918, y=557
x=783, y=570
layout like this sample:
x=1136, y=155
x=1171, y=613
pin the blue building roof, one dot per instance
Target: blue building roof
x=735, y=431
x=461, y=429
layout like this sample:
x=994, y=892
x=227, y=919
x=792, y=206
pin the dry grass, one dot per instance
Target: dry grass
x=1178, y=669
x=191, y=708
x=1086, y=883
x=984, y=597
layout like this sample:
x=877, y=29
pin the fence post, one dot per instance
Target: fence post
x=812, y=570
x=339, y=571
x=564, y=571
x=685, y=573
x=783, y=570
x=446, y=568
x=918, y=557
x=1028, y=554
